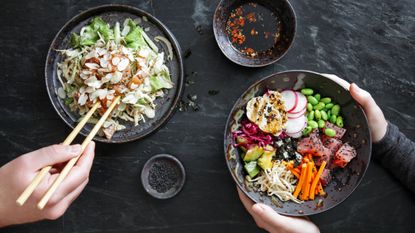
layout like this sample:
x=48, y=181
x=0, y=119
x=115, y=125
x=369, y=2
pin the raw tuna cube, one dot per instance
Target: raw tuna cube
x=312, y=145
x=344, y=155
x=325, y=177
x=333, y=144
x=326, y=156
x=339, y=131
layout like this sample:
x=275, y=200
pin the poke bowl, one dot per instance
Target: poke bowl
x=298, y=142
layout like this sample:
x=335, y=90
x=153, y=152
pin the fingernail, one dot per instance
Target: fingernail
x=258, y=208
x=76, y=149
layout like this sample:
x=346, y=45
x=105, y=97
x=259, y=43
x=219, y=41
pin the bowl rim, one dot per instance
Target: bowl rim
x=215, y=33
x=240, y=187
x=169, y=157
x=175, y=44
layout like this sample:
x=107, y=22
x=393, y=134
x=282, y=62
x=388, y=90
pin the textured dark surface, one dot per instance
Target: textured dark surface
x=369, y=42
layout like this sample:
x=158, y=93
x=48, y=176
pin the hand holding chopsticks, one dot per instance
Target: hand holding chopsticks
x=60, y=178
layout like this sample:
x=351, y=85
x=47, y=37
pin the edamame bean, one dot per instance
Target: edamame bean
x=312, y=100
x=326, y=100
x=319, y=106
x=321, y=123
x=317, y=114
x=328, y=114
x=309, y=107
x=317, y=96
x=307, y=91
x=323, y=115
x=307, y=130
x=313, y=124
x=335, y=110
x=330, y=132
x=339, y=121
x=333, y=119
x=310, y=116
x=328, y=106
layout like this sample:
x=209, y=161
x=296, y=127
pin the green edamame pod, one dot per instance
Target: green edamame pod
x=335, y=110
x=326, y=100
x=329, y=106
x=309, y=107
x=313, y=124
x=307, y=91
x=321, y=123
x=312, y=100
x=307, y=130
x=333, y=119
x=319, y=106
x=310, y=116
x=339, y=121
x=328, y=114
x=317, y=114
x=317, y=96
x=323, y=115
x=330, y=132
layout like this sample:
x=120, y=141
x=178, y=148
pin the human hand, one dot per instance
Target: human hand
x=266, y=218
x=377, y=122
x=16, y=175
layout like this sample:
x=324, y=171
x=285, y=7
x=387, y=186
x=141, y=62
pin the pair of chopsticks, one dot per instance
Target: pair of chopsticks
x=38, y=178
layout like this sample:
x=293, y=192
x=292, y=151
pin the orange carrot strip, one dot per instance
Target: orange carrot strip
x=316, y=180
x=306, y=186
x=321, y=190
x=301, y=181
x=297, y=169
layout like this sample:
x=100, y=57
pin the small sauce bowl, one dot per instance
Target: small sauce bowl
x=163, y=176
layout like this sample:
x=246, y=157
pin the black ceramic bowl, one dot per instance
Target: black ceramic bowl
x=112, y=14
x=170, y=161
x=346, y=180
x=286, y=16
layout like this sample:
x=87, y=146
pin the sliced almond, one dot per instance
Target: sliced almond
x=123, y=64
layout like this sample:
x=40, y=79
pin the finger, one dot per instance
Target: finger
x=269, y=216
x=87, y=158
x=57, y=210
x=362, y=97
x=248, y=203
x=76, y=176
x=50, y=155
x=338, y=80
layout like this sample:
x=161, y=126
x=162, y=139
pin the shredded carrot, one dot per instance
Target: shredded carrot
x=321, y=190
x=306, y=186
x=317, y=179
x=297, y=169
x=296, y=174
x=301, y=181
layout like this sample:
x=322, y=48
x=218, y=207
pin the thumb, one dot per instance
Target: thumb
x=51, y=155
x=362, y=97
x=268, y=215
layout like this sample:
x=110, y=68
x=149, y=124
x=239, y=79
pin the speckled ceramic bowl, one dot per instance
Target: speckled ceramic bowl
x=282, y=8
x=113, y=13
x=345, y=180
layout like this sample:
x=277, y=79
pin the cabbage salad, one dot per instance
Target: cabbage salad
x=104, y=62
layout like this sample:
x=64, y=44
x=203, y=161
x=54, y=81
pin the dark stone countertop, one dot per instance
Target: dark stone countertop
x=368, y=42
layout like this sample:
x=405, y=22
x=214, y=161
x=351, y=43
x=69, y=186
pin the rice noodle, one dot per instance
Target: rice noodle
x=277, y=181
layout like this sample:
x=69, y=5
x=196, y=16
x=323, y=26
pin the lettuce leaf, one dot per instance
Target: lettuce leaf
x=158, y=82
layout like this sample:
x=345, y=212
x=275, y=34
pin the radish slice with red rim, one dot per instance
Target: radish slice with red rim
x=301, y=103
x=296, y=115
x=290, y=99
x=295, y=125
x=295, y=135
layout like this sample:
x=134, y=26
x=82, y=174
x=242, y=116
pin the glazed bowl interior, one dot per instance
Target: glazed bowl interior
x=344, y=180
x=281, y=8
x=117, y=13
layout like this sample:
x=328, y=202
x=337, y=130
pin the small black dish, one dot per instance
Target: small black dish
x=357, y=134
x=112, y=13
x=163, y=164
x=257, y=30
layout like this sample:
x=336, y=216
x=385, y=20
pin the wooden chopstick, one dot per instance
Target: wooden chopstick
x=41, y=174
x=71, y=163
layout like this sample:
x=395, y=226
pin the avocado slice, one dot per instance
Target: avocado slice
x=241, y=140
x=265, y=161
x=252, y=168
x=253, y=153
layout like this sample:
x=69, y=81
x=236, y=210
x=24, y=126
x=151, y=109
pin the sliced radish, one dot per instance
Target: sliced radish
x=295, y=135
x=296, y=115
x=290, y=99
x=301, y=103
x=296, y=125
